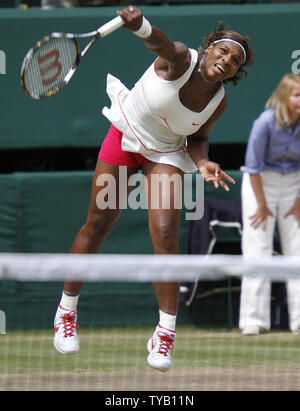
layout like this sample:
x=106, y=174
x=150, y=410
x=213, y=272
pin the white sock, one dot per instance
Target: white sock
x=69, y=302
x=167, y=321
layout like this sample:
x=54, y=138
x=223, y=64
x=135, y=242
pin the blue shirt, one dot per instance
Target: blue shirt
x=272, y=147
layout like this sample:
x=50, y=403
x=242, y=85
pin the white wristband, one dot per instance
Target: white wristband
x=145, y=30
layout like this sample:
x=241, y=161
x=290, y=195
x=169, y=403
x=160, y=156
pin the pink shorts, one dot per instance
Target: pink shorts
x=112, y=153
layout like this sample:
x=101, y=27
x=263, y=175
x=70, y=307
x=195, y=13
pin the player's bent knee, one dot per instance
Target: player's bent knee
x=165, y=239
x=99, y=228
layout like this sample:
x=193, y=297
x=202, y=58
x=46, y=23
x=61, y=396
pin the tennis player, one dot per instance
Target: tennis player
x=161, y=125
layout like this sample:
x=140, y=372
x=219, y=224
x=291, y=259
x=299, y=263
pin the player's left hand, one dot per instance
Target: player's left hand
x=212, y=173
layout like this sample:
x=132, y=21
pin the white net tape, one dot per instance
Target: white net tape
x=143, y=268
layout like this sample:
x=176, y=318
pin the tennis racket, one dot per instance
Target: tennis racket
x=50, y=65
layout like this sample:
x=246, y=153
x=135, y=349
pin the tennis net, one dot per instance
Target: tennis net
x=117, y=314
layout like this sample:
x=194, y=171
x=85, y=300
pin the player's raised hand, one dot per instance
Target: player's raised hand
x=132, y=16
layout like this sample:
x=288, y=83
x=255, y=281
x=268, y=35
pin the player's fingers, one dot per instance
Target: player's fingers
x=123, y=15
x=209, y=179
x=224, y=185
x=131, y=16
x=228, y=178
x=217, y=172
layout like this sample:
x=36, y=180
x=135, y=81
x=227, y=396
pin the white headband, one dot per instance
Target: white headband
x=236, y=42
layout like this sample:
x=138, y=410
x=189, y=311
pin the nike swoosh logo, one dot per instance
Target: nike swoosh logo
x=196, y=124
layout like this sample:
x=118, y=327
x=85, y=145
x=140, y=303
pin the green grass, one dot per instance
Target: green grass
x=125, y=349
x=116, y=360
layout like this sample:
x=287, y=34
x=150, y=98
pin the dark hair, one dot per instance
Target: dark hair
x=221, y=33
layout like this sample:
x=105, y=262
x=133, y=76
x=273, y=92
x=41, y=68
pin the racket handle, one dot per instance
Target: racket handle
x=110, y=26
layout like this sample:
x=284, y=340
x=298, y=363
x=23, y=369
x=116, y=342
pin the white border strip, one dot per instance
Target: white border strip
x=143, y=268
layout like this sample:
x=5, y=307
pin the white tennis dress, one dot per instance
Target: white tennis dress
x=152, y=119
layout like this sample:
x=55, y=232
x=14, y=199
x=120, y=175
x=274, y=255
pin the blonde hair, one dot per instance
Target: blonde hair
x=278, y=100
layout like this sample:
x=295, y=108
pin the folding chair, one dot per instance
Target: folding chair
x=225, y=235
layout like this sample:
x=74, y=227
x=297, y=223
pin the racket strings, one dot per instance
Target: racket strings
x=49, y=65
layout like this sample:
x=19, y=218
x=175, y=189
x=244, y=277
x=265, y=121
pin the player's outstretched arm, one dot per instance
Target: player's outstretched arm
x=174, y=56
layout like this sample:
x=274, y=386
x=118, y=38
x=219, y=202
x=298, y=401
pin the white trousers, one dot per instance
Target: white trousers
x=280, y=193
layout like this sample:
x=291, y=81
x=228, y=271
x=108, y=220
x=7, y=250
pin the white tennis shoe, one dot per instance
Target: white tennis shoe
x=65, y=324
x=160, y=347
x=253, y=330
